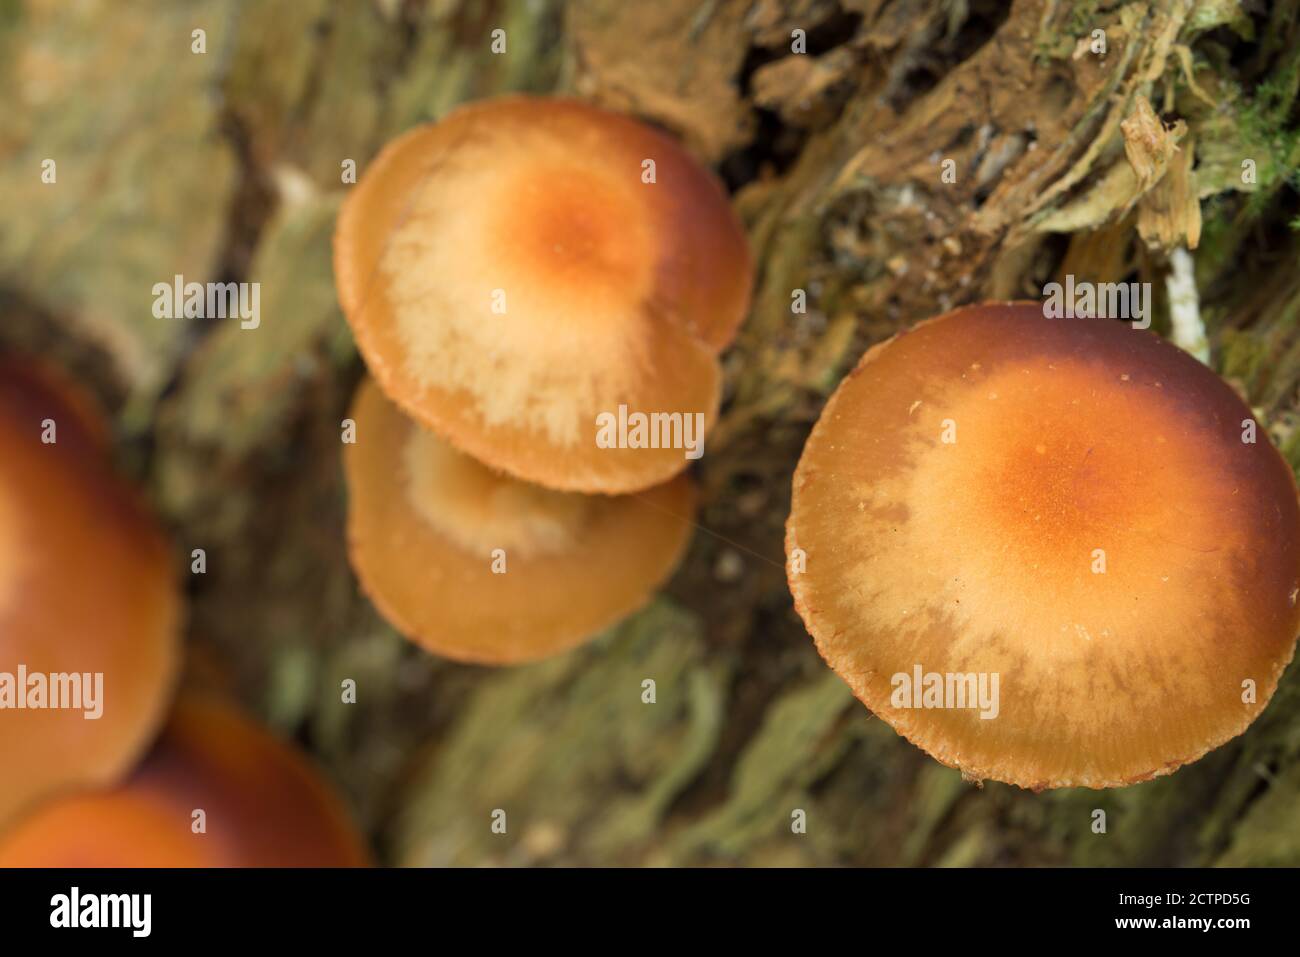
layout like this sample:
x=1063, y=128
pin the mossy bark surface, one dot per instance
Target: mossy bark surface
x=226, y=165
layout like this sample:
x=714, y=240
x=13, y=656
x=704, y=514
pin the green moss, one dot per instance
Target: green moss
x=1269, y=133
x=569, y=747
x=144, y=179
x=792, y=747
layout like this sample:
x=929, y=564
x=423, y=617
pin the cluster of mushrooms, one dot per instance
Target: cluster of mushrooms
x=87, y=588
x=1073, y=507
x=511, y=274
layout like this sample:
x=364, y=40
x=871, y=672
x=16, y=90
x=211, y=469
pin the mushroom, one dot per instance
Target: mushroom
x=529, y=265
x=1051, y=552
x=481, y=567
x=217, y=791
x=89, y=607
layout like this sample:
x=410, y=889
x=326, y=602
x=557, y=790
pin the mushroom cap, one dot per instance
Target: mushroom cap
x=86, y=586
x=616, y=292
x=979, y=556
x=263, y=804
x=425, y=520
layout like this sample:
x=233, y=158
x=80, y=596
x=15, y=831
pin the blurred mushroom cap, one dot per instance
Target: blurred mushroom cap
x=511, y=274
x=262, y=806
x=86, y=589
x=1070, y=505
x=480, y=567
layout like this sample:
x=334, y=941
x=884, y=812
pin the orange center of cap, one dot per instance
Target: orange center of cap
x=524, y=283
x=1080, y=514
x=480, y=510
x=1067, y=484
x=577, y=232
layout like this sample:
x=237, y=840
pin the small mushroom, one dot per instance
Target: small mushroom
x=528, y=265
x=480, y=567
x=87, y=595
x=1051, y=552
x=217, y=791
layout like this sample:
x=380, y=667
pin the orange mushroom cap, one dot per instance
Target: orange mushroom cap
x=262, y=804
x=480, y=567
x=86, y=590
x=509, y=277
x=1071, y=505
